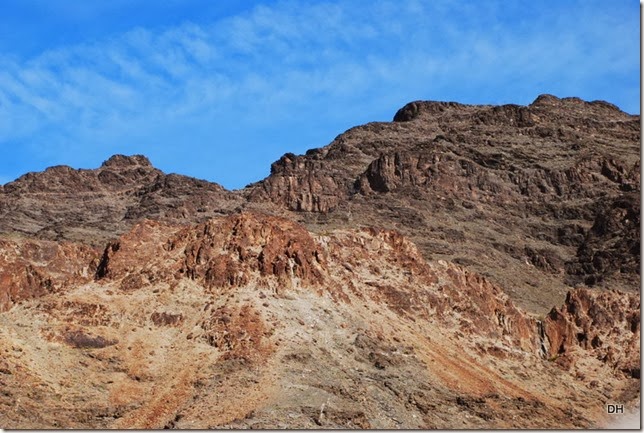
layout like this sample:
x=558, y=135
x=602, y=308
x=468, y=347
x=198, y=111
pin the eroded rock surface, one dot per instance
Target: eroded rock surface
x=521, y=194
x=253, y=321
x=460, y=267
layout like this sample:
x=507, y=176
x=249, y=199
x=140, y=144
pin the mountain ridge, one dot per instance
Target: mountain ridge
x=453, y=177
x=460, y=267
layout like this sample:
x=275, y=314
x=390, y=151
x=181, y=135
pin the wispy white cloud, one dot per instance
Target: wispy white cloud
x=288, y=69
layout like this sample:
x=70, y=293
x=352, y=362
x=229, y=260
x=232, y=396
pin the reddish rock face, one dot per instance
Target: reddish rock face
x=606, y=325
x=410, y=293
x=241, y=313
x=227, y=252
x=30, y=269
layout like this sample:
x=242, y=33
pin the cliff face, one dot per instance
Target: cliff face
x=460, y=267
x=519, y=193
x=252, y=321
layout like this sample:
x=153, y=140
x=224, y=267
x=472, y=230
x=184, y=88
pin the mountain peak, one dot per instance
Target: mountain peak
x=414, y=263
x=414, y=109
x=127, y=161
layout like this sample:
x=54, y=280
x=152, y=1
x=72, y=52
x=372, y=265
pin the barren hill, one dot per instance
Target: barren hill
x=93, y=206
x=538, y=198
x=460, y=267
x=520, y=194
x=252, y=321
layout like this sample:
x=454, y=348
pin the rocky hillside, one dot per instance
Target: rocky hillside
x=459, y=267
x=253, y=321
x=92, y=206
x=537, y=198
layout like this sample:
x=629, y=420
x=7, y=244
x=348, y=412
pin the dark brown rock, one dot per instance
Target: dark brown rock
x=542, y=173
x=81, y=340
x=96, y=205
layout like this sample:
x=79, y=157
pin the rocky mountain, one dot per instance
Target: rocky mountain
x=251, y=321
x=537, y=198
x=93, y=206
x=522, y=194
x=460, y=267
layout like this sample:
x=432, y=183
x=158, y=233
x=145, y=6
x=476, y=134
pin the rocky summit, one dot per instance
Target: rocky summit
x=462, y=266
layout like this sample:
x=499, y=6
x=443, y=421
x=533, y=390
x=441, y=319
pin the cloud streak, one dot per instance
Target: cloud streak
x=200, y=97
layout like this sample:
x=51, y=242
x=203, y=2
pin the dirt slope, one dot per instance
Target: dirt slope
x=252, y=321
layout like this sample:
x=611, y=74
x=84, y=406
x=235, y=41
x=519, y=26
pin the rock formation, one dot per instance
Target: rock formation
x=460, y=267
x=517, y=193
x=92, y=206
x=252, y=321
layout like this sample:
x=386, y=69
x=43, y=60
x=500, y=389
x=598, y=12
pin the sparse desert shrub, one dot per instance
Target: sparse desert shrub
x=80, y=340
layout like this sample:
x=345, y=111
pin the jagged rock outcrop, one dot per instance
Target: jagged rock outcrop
x=228, y=253
x=95, y=205
x=465, y=182
x=218, y=253
x=315, y=191
x=404, y=276
x=605, y=324
x=243, y=320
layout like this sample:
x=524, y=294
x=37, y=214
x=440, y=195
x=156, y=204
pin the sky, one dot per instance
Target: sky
x=218, y=90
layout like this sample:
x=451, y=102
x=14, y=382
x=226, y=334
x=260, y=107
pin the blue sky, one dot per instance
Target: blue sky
x=220, y=89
